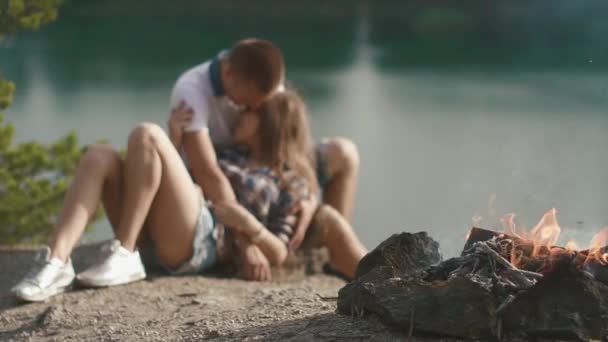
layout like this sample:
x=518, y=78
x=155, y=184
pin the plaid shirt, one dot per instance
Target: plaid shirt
x=260, y=191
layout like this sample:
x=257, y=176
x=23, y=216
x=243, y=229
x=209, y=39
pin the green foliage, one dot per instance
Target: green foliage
x=7, y=89
x=16, y=15
x=34, y=177
x=33, y=181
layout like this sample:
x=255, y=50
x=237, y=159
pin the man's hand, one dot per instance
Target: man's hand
x=305, y=209
x=180, y=117
x=254, y=265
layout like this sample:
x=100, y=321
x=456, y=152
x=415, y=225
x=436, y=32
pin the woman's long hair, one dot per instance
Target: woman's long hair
x=285, y=138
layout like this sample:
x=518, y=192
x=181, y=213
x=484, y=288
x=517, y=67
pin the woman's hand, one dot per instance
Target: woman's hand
x=180, y=117
x=235, y=216
x=254, y=264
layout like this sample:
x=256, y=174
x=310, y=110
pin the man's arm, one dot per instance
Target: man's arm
x=205, y=168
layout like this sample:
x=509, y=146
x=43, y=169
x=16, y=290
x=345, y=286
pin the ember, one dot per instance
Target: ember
x=514, y=284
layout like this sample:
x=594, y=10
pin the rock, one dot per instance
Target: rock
x=212, y=334
x=399, y=255
x=348, y=294
x=51, y=315
x=458, y=307
x=390, y=284
x=403, y=253
x=566, y=303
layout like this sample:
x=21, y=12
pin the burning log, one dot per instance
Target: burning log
x=526, y=256
x=480, y=234
x=484, y=264
x=597, y=269
x=504, y=262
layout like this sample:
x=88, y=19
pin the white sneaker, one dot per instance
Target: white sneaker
x=116, y=266
x=47, y=278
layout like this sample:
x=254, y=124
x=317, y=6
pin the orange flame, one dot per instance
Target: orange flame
x=596, y=245
x=543, y=237
x=508, y=224
x=572, y=246
x=541, y=242
x=599, y=240
x=546, y=232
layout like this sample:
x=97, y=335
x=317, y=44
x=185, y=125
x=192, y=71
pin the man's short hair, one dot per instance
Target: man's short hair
x=258, y=61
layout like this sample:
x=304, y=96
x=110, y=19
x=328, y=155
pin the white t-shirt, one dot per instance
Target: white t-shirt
x=212, y=110
x=201, y=89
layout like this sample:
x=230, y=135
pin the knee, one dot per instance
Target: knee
x=344, y=155
x=327, y=219
x=99, y=158
x=145, y=134
x=325, y=213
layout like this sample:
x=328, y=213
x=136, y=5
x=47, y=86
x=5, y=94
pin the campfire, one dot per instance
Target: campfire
x=512, y=284
x=536, y=250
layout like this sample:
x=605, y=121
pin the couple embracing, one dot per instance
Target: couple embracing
x=237, y=179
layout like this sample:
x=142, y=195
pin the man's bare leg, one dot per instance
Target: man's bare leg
x=335, y=233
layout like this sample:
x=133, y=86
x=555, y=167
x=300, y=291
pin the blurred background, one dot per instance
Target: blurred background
x=459, y=109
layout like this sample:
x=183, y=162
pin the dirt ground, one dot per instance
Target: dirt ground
x=293, y=307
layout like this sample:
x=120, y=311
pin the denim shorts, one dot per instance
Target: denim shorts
x=204, y=247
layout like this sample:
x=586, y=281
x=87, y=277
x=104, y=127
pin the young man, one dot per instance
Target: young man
x=204, y=104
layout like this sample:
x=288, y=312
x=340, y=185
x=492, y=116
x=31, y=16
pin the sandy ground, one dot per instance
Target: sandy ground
x=293, y=307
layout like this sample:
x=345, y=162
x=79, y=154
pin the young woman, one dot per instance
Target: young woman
x=274, y=176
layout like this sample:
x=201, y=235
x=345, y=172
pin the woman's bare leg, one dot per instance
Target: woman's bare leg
x=99, y=175
x=345, y=249
x=342, y=158
x=158, y=191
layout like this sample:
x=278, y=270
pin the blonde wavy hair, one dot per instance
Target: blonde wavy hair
x=285, y=137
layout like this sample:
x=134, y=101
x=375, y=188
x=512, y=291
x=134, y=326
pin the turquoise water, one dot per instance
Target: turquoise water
x=440, y=141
